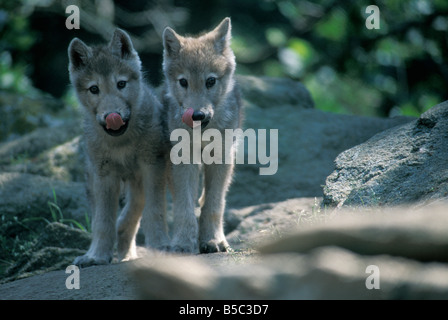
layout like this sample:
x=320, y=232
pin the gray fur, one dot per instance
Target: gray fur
x=136, y=157
x=195, y=59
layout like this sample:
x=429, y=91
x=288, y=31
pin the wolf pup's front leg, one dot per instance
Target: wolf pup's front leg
x=129, y=220
x=217, y=179
x=154, y=224
x=105, y=202
x=185, y=185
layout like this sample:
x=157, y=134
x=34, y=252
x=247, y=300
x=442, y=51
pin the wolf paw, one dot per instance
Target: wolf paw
x=184, y=248
x=87, y=260
x=214, y=246
x=128, y=257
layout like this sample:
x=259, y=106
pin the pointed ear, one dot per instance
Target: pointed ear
x=171, y=42
x=222, y=35
x=121, y=45
x=78, y=53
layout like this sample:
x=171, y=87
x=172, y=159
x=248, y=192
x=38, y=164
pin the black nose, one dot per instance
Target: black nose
x=198, y=116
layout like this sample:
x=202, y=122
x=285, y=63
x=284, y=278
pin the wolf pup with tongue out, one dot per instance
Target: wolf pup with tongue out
x=123, y=143
x=200, y=89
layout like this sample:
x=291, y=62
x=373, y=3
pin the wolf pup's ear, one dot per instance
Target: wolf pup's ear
x=171, y=41
x=121, y=45
x=222, y=35
x=78, y=53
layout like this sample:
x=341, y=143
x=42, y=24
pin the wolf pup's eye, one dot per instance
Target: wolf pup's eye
x=94, y=89
x=210, y=82
x=183, y=83
x=121, y=84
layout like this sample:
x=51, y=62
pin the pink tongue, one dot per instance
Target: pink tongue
x=114, y=121
x=187, y=117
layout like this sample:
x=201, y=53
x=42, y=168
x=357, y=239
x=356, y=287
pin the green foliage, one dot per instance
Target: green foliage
x=16, y=39
x=58, y=216
x=18, y=235
x=12, y=77
x=397, y=69
x=334, y=26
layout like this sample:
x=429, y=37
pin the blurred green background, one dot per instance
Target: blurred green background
x=399, y=69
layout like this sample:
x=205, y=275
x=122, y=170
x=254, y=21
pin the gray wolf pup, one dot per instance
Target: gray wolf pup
x=200, y=86
x=123, y=143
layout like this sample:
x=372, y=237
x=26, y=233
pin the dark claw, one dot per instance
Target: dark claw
x=212, y=248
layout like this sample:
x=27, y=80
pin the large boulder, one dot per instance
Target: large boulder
x=55, y=248
x=49, y=152
x=27, y=204
x=268, y=92
x=25, y=196
x=394, y=254
x=405, y=164
x=308, y=142
x=22, y=114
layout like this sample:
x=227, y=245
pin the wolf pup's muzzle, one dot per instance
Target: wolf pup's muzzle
x=115, y=125
x=190, y=116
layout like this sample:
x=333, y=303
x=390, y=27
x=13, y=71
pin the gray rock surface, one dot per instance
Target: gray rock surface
x=398, y=251
x=324, y=273
x=268, y=92
x=308, y=142
x=405, y=164
x=413, y=233
x=110, y=282
x=24, y=195
x=23, y=114
x=55, y=248
x=313, y=260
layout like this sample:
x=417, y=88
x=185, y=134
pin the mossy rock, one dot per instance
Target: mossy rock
x=55, y=249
